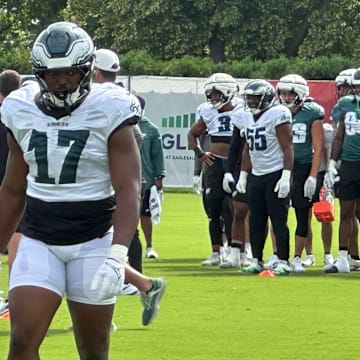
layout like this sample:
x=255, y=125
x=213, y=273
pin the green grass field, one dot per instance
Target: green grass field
x=208, y=313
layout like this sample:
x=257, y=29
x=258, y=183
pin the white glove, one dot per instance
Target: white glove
x=241, y=184
x=310, y=187
x=228, y=182
x=331, y=177
x=109, y=278
x=197, y=184
x=282, y=187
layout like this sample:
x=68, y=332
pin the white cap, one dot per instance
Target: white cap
x=107, y=60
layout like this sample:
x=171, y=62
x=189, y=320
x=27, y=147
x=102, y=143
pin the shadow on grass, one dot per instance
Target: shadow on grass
x=193, y=267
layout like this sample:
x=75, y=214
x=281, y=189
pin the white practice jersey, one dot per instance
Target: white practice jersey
x=220, y=123
x=68, y=157
x=266, y=154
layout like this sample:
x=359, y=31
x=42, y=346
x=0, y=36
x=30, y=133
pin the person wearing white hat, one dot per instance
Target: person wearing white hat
x=107, y=60
x=105, y=69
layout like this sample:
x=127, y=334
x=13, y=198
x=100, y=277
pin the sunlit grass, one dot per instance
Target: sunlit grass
x=208, y=313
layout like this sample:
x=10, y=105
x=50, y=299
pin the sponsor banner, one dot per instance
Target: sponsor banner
x=174, y=114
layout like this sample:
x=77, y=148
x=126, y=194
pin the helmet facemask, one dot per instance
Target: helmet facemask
x=343, y=83
x=219, y=103
x=67, y=98
x=252, y=105
x=291, y=105
x=295, y=84
x=265, y=93
x=62, y=46
x=355, y=84
x=225, y=85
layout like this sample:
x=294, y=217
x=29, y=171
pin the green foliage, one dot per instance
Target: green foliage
x=245, y=38
x=277, y=66
x=188, y=66
x=18, y=59
x=140, y=63
x=320, y=68
x=228, y=30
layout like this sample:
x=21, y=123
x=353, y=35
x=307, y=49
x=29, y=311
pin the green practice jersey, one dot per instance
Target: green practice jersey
x=349, y=107
x=301, y=128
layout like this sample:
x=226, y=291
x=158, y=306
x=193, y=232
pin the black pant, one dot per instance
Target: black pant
x=264, y=203
x=213, y=199
x=135, y=252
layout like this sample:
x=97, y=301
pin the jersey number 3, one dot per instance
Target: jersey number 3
x=75, y=140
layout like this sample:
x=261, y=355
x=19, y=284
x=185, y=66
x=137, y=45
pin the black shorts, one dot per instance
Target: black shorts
x=239, y=197
x=213, y=179
x=349, y=185
x=145, y=207
x=300, y=174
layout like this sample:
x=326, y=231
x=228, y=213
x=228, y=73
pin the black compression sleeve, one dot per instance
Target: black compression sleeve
x=235, y=151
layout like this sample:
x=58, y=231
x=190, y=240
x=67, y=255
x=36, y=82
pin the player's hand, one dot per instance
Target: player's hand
x=207, y=158
x=109, y=278
x=228, y=183
x=241, y=184
x=282, y=187
x=310, y=187
x=197, y=184
x=331, y=176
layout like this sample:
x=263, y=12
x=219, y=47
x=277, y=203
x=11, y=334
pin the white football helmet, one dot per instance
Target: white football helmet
x=343, y=83
x=293, y=83
x=63, y=45
x=223, y=83
x=355, y=81
x=344, y=77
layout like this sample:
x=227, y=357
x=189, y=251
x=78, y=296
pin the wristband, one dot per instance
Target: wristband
x=198, y=152
x=119, y=253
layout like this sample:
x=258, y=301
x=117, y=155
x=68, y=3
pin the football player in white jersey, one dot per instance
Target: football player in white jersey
x=73, y=160
x=216, y=116
x=265, y=172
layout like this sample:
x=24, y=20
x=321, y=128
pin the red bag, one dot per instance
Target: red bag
x=324, y=208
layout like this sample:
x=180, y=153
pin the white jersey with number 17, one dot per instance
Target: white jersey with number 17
x=68, y=157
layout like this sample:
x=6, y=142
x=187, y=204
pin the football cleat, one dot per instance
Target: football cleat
x=151, y=300
x=232, y=260
x=353, y=263
x=256, y=267
x=213, y=259
x=282, y=268
x=150, y=253
x=341, y=265
x=272, y=262
x=309, y=260
x=297, y=265
x=328, y=260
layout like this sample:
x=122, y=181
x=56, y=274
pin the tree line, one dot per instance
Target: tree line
x=166, y=31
